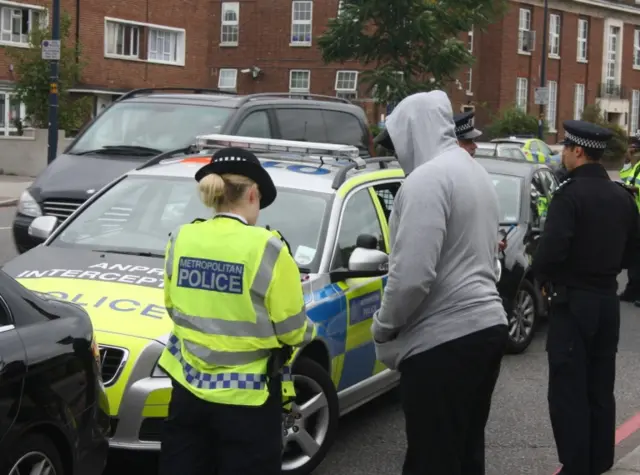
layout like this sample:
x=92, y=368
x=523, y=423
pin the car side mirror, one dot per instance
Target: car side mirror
x=42, y=227
x=363, y=263
x=368, y=260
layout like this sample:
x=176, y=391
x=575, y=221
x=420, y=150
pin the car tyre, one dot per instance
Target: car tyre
x=310, y=426
x=523, y=318
x=33, y=453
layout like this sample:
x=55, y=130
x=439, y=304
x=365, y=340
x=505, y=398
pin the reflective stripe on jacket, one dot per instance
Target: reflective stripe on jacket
x=234, y=293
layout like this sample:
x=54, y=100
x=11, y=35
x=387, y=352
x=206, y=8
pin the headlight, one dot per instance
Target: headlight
x=28, y=206
x=499, y=269
x=158, y=372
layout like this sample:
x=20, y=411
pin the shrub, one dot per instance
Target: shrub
x=614, y=154
x=512, y=121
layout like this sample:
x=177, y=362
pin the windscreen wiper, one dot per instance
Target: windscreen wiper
x=130, y=253
x=123, y=150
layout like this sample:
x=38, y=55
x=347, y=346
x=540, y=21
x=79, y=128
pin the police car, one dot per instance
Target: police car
x=332, y=207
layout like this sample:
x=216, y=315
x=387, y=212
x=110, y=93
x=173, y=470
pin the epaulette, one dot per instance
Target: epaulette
x=281, y=237
x=198, y=220
x=563, y=185
x=632, y=190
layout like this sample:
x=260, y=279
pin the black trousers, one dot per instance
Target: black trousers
x=202, y=438
x=446, y=397
x=632, y=289
x=582, y=342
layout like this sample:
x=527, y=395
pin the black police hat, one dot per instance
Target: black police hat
x=585, y=134
x=241, y=162
x=384, y=140
x=464, y=127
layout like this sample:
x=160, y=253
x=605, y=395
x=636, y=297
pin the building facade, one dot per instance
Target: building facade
x=249, y=46
x=593, y=56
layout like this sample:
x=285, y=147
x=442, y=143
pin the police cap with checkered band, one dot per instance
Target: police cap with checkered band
x=464, y=126
x=237, y=161
x=634, y=141
x=586, y=135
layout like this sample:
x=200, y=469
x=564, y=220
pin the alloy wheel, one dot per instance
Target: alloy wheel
x=33, y=463
x=523, y=317
x=305, y=426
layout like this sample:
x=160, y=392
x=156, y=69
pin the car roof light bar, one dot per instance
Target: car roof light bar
x=257, y=144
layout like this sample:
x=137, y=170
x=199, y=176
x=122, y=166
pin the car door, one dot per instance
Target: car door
x=545, y=151
x=360, y=216
x=12, y=367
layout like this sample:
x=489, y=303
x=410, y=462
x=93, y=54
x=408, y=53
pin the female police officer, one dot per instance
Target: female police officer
x=233, y=292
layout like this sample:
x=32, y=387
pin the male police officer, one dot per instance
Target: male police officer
x=465, y=131
x=630, y=175
x=590, y=234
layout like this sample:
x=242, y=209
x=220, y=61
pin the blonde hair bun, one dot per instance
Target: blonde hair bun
x=221, y=191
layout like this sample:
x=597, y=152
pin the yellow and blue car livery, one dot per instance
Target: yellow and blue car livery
x=124, y=294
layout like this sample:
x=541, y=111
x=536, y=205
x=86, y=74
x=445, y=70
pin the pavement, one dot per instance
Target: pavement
x=519, y=440
x=11, y=187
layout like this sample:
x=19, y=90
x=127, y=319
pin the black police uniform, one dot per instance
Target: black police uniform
x=464, y=126
x=591, y=229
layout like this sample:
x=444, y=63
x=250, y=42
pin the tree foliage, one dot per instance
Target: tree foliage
x=617, y=147
x=33, y=79
x=513, y=121
x=418, y=38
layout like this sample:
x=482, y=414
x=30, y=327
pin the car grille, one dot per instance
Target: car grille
x=112, y=361
x=60, y=208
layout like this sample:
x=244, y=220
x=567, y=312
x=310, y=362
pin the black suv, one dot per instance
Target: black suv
x=146, y=122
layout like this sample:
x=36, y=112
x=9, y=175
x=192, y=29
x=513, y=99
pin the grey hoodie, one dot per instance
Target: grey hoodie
x=444, y=237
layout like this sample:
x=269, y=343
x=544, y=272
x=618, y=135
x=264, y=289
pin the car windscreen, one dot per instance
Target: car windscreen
x=153, y=125
x=137, y=214
x=509, y=189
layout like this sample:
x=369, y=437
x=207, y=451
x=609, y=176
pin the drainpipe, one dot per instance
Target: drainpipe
x=77, y=31
x=543, y=69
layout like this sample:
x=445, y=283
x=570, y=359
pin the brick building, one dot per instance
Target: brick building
x=256, y=46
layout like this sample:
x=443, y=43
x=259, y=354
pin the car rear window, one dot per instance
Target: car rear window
x=325, y=126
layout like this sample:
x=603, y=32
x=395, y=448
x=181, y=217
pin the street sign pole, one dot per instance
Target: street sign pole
x=543, y=66
x=53, y=84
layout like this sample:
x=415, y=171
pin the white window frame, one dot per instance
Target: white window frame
x=469, y=74
x=300, y=90
x=524, y=25
x=636, y=48
x=305, y=22
x=634, y=111
x=554, y=35
x=582, y=52
x=552, y=106
x=340, y=7
x=234, y=26
x=8, y=128
x=234, y=73
x=350, y=92
x=522, y=94
x=10, y=9
x=612, y=58
x=578, y=101
x=146, y=28
x=161, y=56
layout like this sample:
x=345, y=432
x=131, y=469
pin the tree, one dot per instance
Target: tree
x=513, y=121
x=32, y=83
x=617, y=147
x=408, y=46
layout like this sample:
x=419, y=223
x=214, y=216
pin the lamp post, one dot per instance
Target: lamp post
x=52, y=150
x=543, y=67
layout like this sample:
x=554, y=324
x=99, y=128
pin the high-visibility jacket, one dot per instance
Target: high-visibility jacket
x=631, y=176
x=234, y=293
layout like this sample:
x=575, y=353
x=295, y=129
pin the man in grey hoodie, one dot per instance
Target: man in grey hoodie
x=441, y=323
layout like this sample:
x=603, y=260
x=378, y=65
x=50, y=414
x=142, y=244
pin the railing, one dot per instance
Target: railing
x=611, y=90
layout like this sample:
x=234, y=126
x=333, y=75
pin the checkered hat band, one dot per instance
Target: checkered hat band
x=586, y=143
x=466, y=127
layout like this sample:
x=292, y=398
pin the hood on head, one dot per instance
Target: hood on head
x=421, y=127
